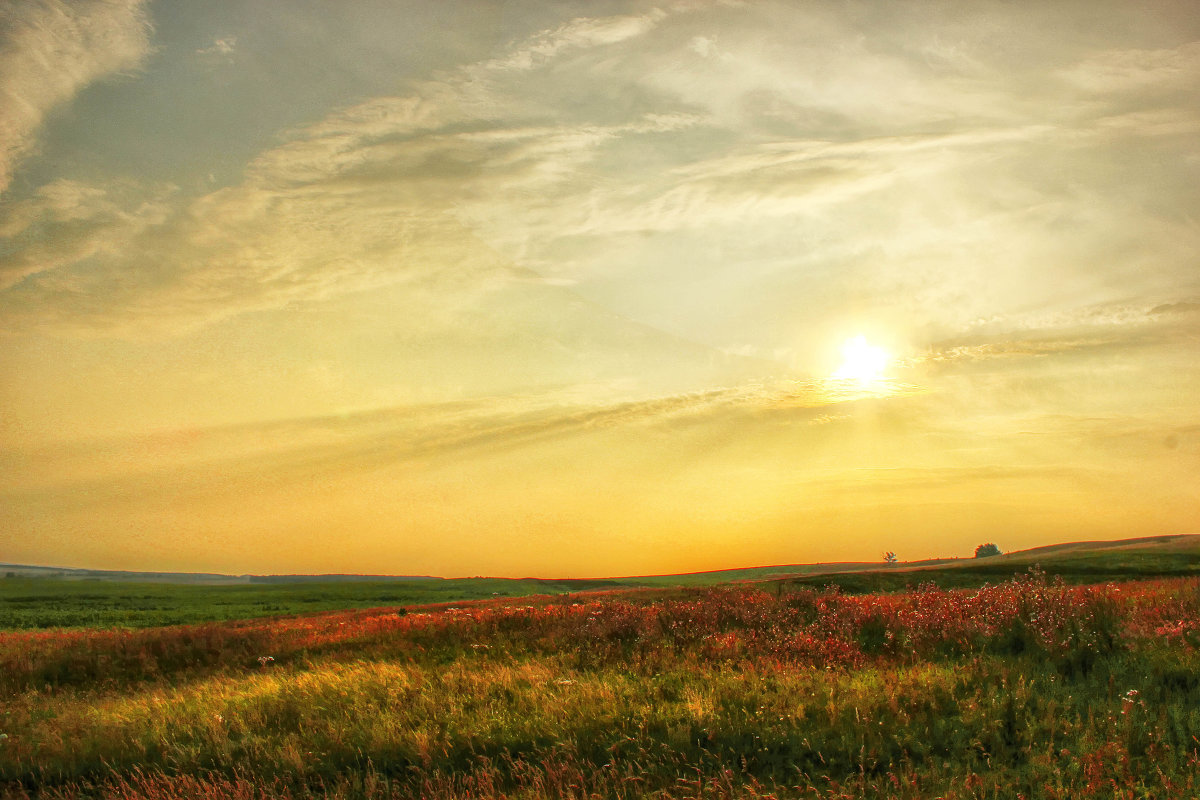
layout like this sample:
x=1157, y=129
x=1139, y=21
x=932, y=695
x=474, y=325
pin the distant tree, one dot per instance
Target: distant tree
x=985, y=550
x=889, y=557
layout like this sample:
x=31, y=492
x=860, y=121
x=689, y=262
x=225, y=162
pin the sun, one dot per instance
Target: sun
x=863, y=362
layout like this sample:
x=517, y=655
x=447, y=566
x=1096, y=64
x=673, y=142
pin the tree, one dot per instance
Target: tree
x=985, y=550
x=889, y=557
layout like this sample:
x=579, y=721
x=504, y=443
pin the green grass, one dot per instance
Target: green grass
x=1010, y=719
x=30, y=603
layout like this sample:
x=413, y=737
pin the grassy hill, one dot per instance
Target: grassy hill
x=1074, y=562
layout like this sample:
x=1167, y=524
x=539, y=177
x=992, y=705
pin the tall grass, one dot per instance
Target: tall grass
x=1029, y=688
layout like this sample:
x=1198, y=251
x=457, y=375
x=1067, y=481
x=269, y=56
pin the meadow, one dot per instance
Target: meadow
x=30, y=601
x=1029, y=687
x=55, y=603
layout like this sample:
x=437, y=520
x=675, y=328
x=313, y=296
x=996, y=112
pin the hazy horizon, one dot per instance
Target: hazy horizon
x=756, y=568
x=593, y=289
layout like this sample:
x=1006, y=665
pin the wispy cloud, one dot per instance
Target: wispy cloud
x=222, y=47
x=500, y=170
x=1110, y=328
x=49, y=51
x=370, y=195
x=88, y=222
x=443, y=432
x=578, y=33
x=1138, y=70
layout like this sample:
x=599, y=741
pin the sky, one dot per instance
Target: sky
x=593, y=288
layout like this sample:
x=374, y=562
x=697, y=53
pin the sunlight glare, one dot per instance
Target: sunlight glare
x=863, y=362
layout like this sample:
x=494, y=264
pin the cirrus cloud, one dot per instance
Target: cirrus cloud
x=49, y=51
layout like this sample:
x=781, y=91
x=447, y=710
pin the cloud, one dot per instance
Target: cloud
x=658, y=150
x=49, y=51
x=583, y=32
x=301, y=227
x=88, y=222
x=1099, y=329
x=298, y=449
x=788, y=179
x=1176, y=308
x=1138, y=70
x=1007, y=350
x=221, y=46
x=373, y=194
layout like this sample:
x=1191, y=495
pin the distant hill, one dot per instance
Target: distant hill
x=336, y=578
x=210, y=578
x=75, y=574
x=1076, y=562
x=1167, y=554
x=1176, y=541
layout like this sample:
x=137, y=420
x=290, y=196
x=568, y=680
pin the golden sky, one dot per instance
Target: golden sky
x=602, y=288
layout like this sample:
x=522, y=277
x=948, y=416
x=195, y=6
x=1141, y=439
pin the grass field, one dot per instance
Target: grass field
x=39, y=602
x=54, y=603
x=1026, y=687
